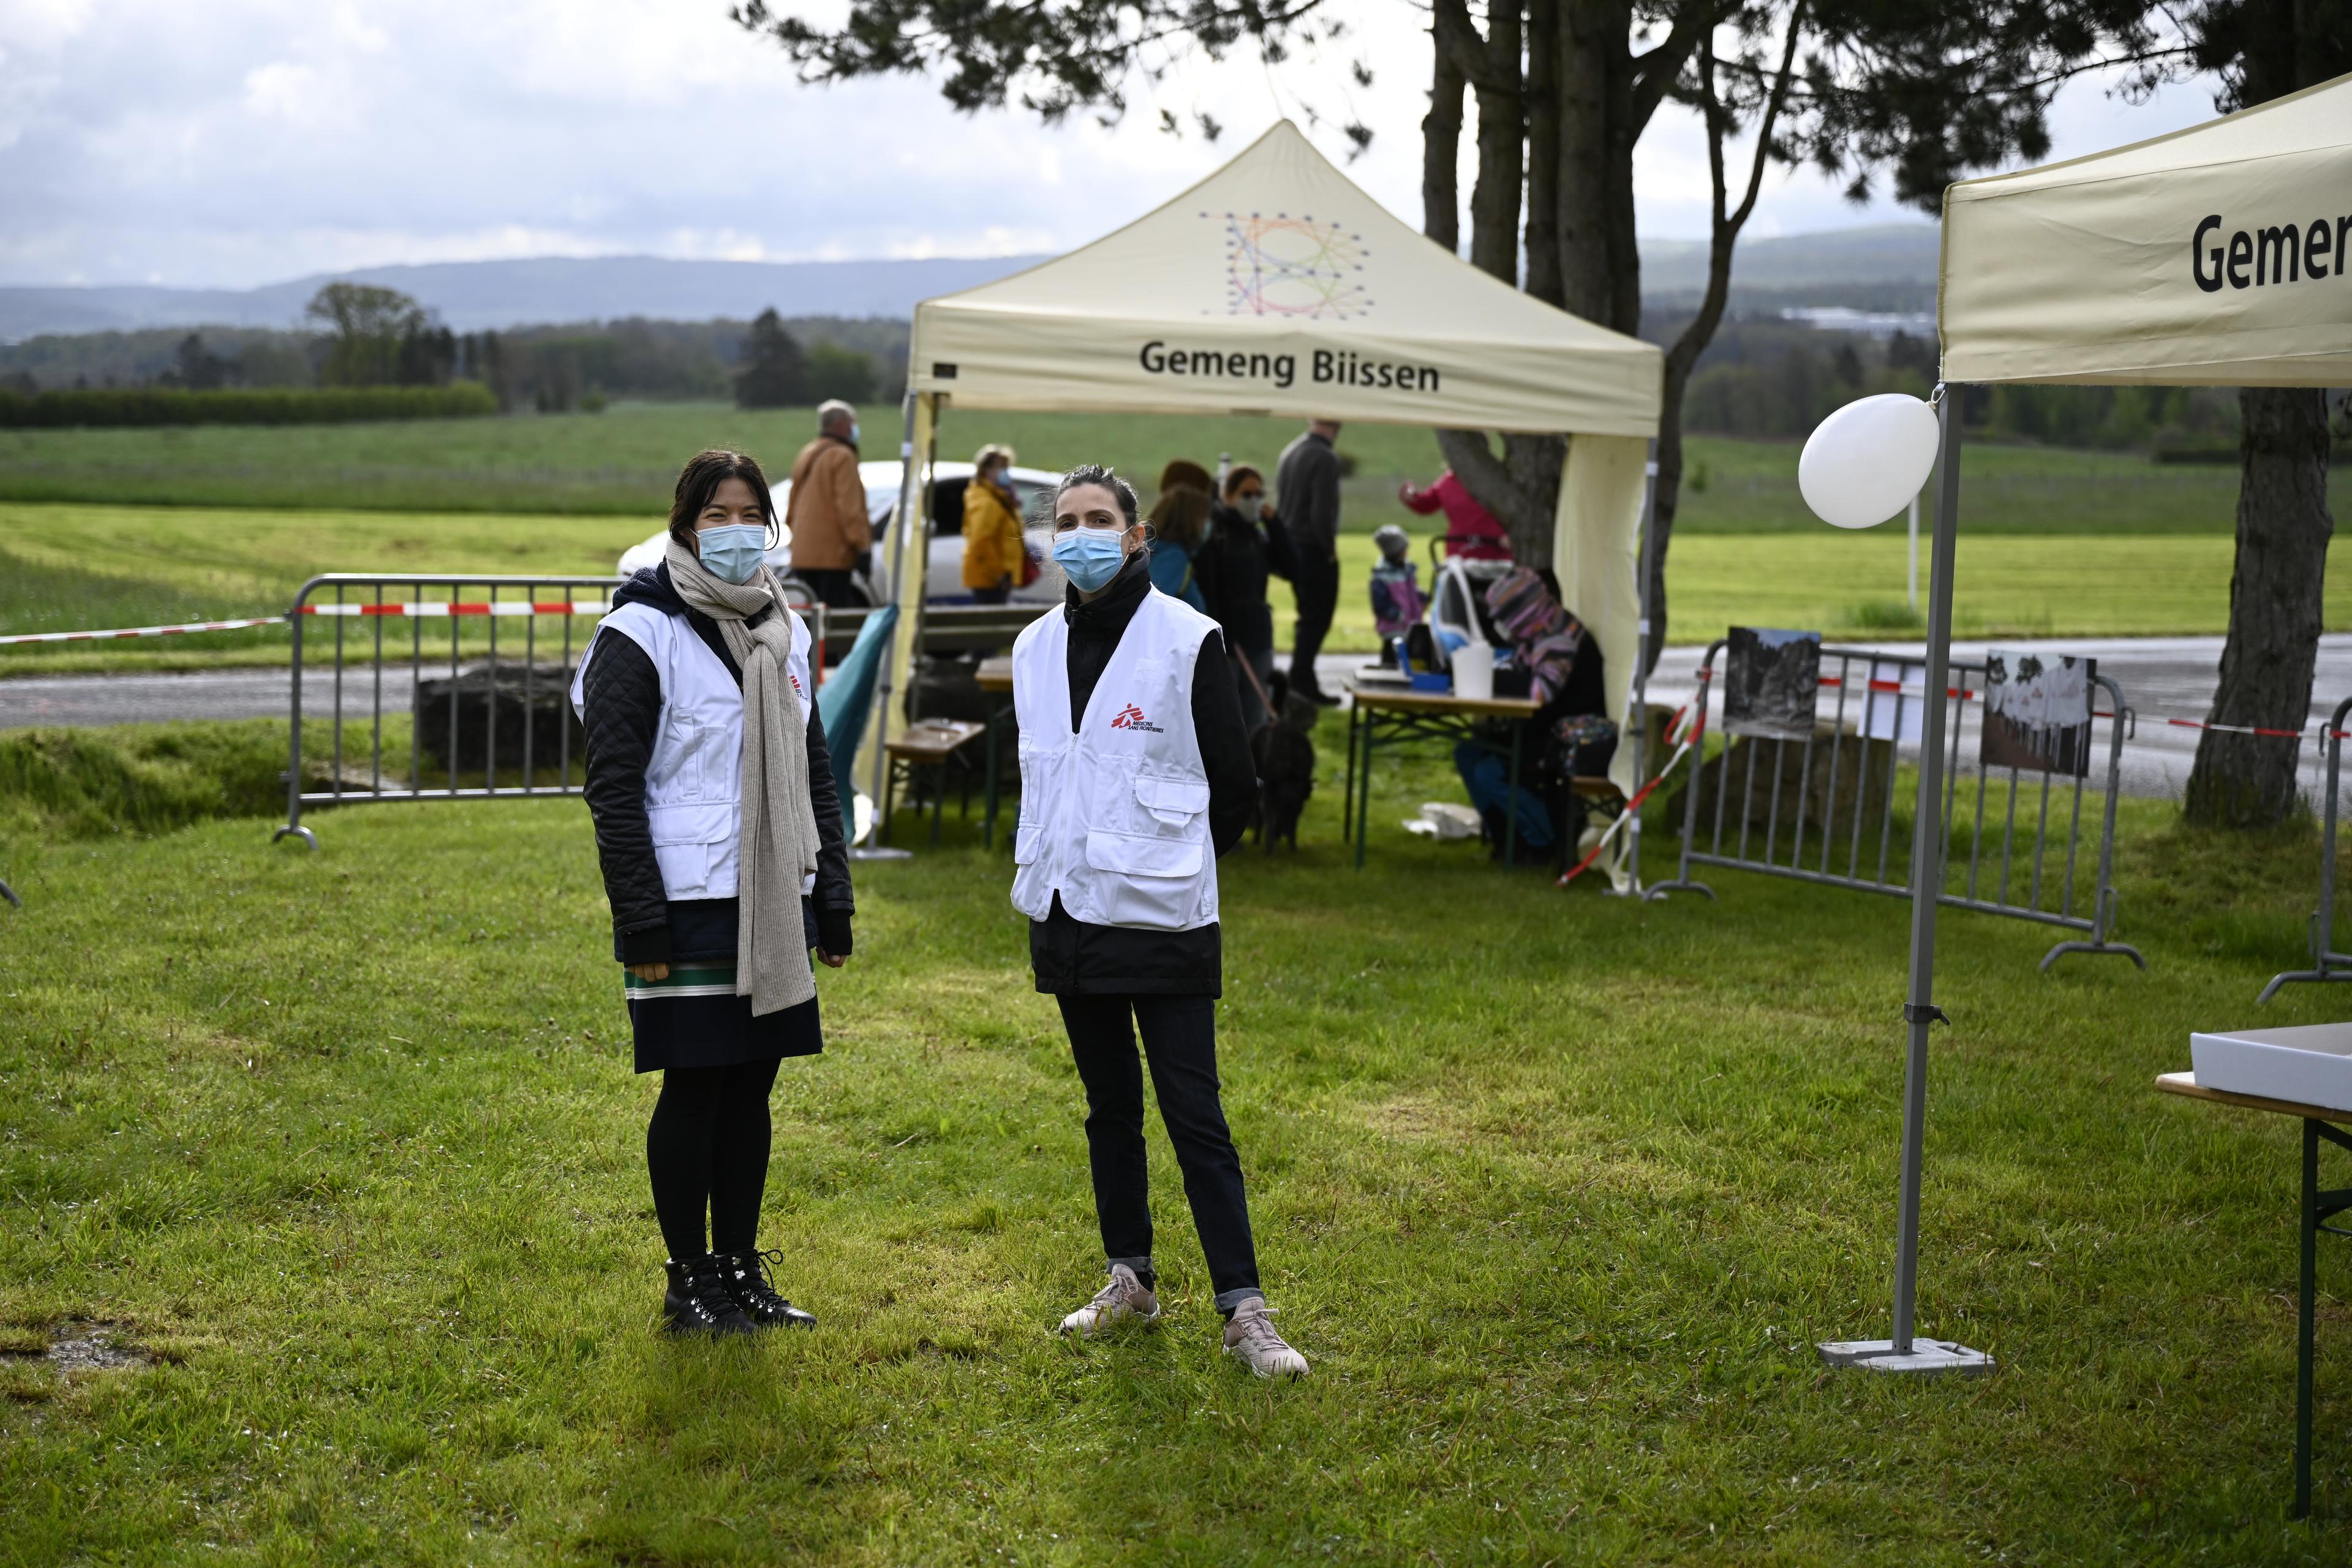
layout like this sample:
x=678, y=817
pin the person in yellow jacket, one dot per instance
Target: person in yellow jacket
x=993, y=552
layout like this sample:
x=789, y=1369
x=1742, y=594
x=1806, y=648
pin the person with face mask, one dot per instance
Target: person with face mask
x=832, y=537
x=1135, y=776
x=993, y=551
x=719, y=828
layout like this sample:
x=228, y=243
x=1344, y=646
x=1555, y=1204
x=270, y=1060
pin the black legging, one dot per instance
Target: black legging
x=708, y=1144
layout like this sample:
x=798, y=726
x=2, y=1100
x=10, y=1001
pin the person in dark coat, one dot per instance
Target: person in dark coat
x=1308, y=479
x=1246, y=546
x=1136, y=775
x=719, y=828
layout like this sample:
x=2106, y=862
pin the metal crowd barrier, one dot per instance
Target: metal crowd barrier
x=2327, y=963
x=1827, y=808
x=453, y=694
x=487, y=714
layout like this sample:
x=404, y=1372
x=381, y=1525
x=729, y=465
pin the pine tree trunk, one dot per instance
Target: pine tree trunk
x=1600, y=265
x=2275, y=611
x=1440, y=133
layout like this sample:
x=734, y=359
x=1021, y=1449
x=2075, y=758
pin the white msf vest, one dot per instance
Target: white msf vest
x=694, y=781
x=1115, y=817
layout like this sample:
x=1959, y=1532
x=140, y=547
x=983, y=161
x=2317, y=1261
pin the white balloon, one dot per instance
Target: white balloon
x=1864, y=463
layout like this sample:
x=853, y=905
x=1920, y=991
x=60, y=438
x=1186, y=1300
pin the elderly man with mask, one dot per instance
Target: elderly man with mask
x=825, y=514
x=1136, y=775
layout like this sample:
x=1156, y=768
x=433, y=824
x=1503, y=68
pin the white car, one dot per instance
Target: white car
x=944, y=570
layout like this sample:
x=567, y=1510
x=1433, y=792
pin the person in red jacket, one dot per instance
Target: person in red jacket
x=1470, y=530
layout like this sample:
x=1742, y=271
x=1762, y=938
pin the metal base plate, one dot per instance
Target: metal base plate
x=1925, y=1356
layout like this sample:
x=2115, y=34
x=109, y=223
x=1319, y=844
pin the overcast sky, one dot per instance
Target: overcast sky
x=235, y=143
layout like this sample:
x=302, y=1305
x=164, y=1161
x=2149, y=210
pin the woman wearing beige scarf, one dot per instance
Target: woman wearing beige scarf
x=718, y=825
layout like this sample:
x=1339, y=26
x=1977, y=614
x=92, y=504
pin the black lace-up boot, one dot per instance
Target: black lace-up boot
x=752, y=1286
x=698, y=1301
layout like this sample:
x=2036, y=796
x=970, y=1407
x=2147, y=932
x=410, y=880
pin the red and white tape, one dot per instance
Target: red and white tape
x=2236, y=729
x=435, y=609
x=144, y=631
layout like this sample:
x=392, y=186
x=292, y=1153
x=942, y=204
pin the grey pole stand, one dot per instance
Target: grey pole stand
x=1903, y=1353
x=9, y=893
x=1640, y=716
x=901, y=520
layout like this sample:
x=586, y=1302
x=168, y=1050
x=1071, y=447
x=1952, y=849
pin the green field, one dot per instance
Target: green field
x=197, y=563
x=625, y=460
x=228, y=521
x=1556, y=1191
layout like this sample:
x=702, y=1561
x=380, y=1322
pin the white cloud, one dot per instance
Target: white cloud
x=239, y=141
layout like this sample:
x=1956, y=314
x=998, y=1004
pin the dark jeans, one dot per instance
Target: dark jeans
x=1180, y=1038
x=833, y=589
x=1316, y=587
x=990, y=595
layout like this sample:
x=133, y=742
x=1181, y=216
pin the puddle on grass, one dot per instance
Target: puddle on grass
x=75, y=1345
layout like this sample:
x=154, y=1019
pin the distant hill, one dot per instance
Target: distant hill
x=1884, y=267
x=473, y=295
x=1889, y=266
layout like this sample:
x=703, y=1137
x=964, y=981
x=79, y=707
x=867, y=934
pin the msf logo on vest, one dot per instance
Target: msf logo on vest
x=1131, y=718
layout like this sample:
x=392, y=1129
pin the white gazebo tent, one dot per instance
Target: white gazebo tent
x=2214, y=256
x=1276, y=287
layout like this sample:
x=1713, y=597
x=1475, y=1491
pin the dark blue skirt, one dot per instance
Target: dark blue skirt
x=694, y=1019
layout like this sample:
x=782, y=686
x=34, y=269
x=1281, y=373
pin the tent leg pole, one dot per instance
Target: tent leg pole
x=898, y=526
x=901, y=524
x=1903, y=1353
x=1641, y=713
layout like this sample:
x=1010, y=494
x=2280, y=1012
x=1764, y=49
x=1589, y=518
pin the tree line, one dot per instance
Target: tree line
x=379, y=337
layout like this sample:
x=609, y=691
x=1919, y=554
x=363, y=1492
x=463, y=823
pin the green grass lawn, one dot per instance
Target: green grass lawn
x=1556, y=1191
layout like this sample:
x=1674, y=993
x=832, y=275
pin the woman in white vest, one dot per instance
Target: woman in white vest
x=718, y=825
x=1135, y=776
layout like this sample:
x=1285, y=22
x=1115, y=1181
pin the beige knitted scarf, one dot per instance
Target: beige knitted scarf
x=779, y=842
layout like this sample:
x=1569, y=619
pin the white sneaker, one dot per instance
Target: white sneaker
x=1125, y=1299
x=1249, y=1335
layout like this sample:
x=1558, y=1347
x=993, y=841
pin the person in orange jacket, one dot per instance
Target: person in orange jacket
x=993, y=551
x=824, y=515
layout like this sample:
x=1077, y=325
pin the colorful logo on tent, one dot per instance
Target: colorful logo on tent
x=1284, y=266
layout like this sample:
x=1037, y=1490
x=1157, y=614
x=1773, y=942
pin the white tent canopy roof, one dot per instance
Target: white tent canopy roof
x=1275, y=286
x=2214, y=256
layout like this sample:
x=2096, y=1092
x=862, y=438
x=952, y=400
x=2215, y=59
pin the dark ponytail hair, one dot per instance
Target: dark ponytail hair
x=701, y=478
x=1099, y=474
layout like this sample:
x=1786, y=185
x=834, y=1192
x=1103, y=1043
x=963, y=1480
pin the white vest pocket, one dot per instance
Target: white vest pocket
x=1153, y=882
x=1171, y=802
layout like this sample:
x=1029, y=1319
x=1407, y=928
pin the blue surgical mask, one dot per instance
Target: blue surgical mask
x=733, y=553
x=1091, y=557
x=853, y=432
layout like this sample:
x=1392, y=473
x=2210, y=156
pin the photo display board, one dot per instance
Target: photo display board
x=2037, y=713
x=1774, y=685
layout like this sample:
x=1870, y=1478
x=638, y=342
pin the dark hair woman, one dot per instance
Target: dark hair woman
x=1246, y=545
x=719, y=825
x=1180, y=522
x=1135, y=776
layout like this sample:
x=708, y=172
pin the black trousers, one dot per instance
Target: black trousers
x=1180, y=1039
x=833, y=588
x=1316, y=587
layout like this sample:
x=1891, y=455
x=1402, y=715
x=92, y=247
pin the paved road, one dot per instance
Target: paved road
x=82, y=699
x=2161, y=677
